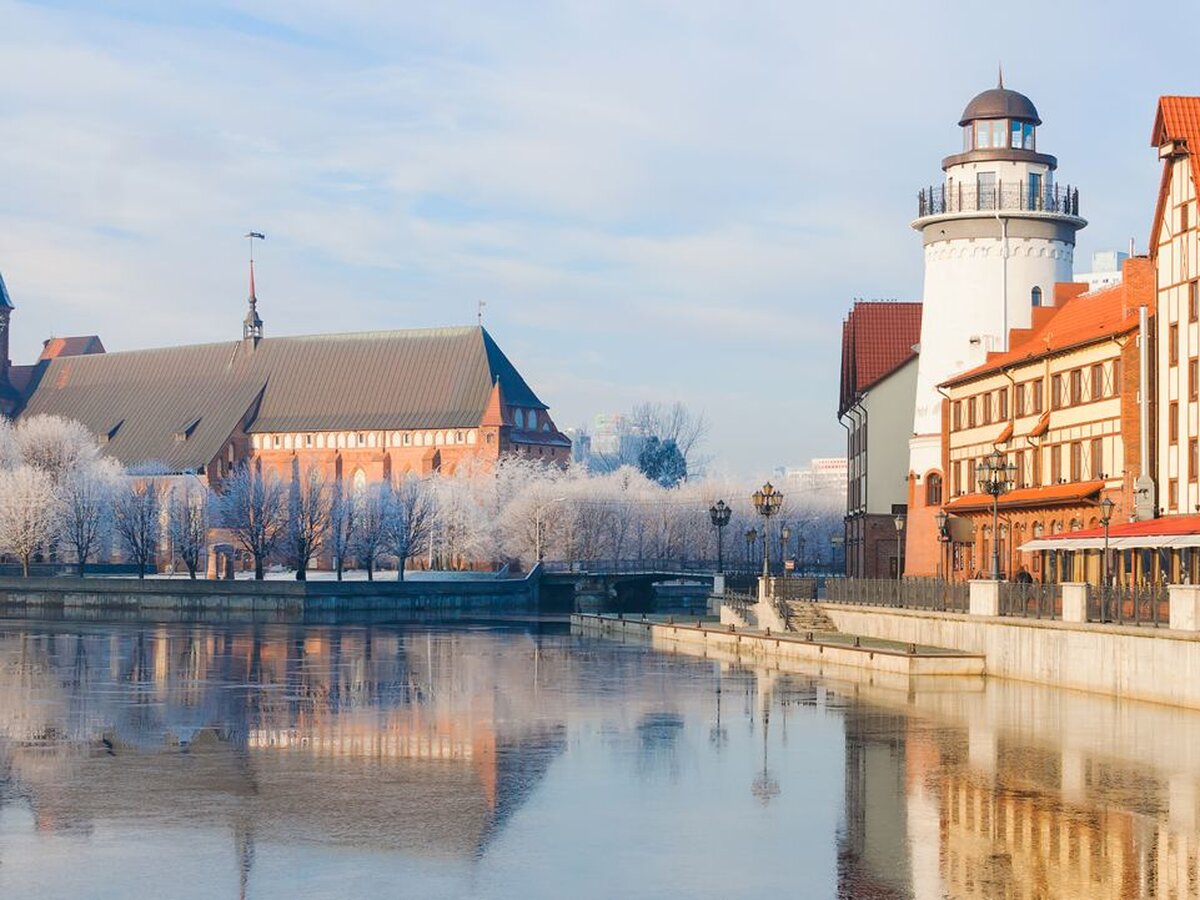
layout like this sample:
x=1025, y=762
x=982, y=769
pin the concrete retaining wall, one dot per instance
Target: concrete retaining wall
x=1151, y=664
x=38, y=594
x=781, y=651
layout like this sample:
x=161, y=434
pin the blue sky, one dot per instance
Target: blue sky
x=657, y=201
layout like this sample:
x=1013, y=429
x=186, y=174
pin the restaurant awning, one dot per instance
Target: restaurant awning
x=1141, y=542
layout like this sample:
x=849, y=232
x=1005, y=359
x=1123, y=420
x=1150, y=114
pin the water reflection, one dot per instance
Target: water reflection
x=272, y=760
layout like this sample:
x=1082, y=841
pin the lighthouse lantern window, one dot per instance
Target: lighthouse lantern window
x=983, y=135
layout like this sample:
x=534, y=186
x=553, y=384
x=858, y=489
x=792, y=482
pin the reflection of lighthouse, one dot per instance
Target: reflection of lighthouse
x=998, y=233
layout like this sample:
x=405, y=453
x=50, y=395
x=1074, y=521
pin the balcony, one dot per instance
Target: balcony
x=968, y=198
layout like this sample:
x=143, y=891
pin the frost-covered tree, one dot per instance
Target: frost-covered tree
x=10, y=453
x=55, y=445
x=137, y=520
x=371, y=532
x=85, y=508
x=343, y=526
x=307, y=518
x=252, y=507
x=188, y=524
x=661, y=461
x=28, y=512
x=411, y=512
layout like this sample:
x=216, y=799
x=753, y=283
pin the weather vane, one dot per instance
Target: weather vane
x=479, y=312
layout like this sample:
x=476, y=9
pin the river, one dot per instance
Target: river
x=494, y=761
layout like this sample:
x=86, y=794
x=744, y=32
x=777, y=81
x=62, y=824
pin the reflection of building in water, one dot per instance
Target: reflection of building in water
x=415, y=742
x=942, y=800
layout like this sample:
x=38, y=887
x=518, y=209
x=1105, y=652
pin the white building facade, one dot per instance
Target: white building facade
x=998, y=234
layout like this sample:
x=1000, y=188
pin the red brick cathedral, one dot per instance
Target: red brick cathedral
x=363, y=407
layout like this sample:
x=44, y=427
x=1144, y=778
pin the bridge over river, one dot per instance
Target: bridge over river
x=635, y=585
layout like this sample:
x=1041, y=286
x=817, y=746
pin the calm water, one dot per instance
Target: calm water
x=391, y=761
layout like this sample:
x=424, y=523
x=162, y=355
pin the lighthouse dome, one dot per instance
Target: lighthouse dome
x=1000, y=103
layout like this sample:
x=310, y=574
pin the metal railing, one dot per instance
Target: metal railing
x=908, y=593
x=631, y=566
x=1031, y=600
x=938, y=200
x=1126, y=604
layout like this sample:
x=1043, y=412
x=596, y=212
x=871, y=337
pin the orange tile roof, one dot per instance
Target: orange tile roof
x=1166, y=526
x=1047, y=495
x=877, y=338
x=1083, y=319
x=1177, y=119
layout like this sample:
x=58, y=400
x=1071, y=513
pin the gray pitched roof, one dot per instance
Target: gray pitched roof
x=429, y=378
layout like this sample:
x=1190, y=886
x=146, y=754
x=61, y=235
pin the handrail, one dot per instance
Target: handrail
x=937, y=200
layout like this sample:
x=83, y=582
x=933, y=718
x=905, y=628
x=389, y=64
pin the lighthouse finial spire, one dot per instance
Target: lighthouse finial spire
x=1000, y=66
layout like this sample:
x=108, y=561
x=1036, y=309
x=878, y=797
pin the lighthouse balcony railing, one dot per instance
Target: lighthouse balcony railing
x=942, y=199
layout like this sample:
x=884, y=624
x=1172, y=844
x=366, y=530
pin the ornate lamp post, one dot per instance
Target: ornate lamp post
x=767, y=501
x=1106, y=511
x=943, y=520
x=899, y=555
x=785, y=534
x=720, y=513
x=751, y=537
x=996, y=479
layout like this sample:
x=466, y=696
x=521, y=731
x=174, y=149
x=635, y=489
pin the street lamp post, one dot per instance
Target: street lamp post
x=996, y=479
x=943, y=520
x=751, y=537
x=537, y=524
x=1106, y=511
x=838, y=540
x=720, y=513
x=899, y=555
x=767, y=501
x=785, y=535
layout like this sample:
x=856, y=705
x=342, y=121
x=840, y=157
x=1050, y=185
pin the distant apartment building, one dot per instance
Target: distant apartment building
x=1107, y=266
x=825, y=475
x=875, y=406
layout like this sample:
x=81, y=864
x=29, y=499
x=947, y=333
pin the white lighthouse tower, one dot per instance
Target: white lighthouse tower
x=998, y=233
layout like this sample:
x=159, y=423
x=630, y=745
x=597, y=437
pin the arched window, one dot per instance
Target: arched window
x=933, y=490
x=519, y=419
x=359, y=480
x=1035, y=296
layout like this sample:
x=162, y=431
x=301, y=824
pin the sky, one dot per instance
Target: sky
x=656, y=201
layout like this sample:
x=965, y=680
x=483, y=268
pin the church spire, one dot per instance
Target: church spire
x=252, y=325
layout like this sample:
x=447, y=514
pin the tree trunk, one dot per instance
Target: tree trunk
x=370, y=570
x=192, y=572
x=301, y=573
x=25, y=566
x=400, y=570
x=81, y=568
x=339, y=568
x=258, y=568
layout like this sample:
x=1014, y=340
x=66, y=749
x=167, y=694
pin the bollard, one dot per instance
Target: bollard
x=912, y=649
x=698, y=624
x=621, y=617
x=670, y=620
x=731, y=628
x=857, y=641
x=768, y=631
x=810, y=636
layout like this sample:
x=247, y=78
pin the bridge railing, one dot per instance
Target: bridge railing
x=631, y=566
